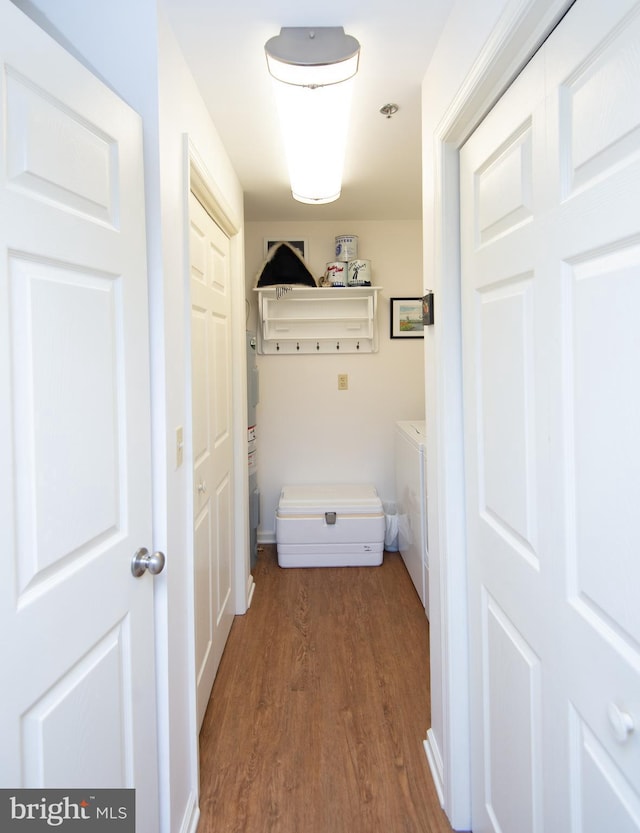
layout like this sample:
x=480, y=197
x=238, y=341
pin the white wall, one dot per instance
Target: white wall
x=308, y=431
x=132, y=49
x=181, y=112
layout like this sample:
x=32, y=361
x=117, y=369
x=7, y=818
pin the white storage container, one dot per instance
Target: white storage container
x=330, y=526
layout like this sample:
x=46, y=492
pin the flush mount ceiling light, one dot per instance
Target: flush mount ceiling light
x=313, y=71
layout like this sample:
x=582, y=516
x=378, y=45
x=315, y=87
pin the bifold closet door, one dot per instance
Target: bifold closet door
x=551, y=288
x=212, y=445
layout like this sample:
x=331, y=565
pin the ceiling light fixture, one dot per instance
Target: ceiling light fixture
x=313, y=71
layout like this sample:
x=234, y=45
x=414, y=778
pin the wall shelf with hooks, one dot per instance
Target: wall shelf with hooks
x=305, y=320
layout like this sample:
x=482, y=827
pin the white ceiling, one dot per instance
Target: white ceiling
x=223, y=43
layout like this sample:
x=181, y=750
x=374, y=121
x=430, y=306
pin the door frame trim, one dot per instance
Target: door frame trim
x=523, y=26
x=201, y=182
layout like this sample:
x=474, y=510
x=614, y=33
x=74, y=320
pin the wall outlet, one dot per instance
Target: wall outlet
x=343, y=381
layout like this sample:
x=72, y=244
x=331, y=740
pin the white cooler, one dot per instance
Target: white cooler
x=330, y=526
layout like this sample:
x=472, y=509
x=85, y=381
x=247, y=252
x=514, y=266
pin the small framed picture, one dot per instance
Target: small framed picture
x=406, y=318
x=299, y=245
x=427, y=309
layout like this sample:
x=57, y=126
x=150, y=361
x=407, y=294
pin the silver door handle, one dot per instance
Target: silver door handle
x=202, y=487
x=142, y=561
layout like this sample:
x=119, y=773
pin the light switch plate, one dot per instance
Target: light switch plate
x=179, y=446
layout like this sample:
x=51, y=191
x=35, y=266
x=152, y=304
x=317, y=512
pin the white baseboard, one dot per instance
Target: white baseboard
x=191, y=816
x=434, y=759
x=252, y=587
x=267, y=536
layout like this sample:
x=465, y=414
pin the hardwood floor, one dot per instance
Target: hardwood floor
x=320, y=707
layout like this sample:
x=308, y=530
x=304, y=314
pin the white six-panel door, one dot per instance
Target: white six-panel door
x=212, y=445
x=550, y=194
x=76, y=628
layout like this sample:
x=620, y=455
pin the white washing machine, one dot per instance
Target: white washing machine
x=411, y=499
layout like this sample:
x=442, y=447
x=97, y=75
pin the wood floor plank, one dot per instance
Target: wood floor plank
x=320, y=707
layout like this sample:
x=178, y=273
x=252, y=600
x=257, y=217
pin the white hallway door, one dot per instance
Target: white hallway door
x=550, y=192
x=77, y=639
x=212, y=445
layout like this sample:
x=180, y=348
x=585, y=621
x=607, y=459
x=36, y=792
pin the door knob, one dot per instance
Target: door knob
x=142, y=561
x=202, y=487
x=621, y=723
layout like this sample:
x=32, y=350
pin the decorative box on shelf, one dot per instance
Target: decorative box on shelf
x=302, y=319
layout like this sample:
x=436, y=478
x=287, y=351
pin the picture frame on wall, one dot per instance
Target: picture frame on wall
x=299, y=245
x=427, y=309
x=406, y=318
